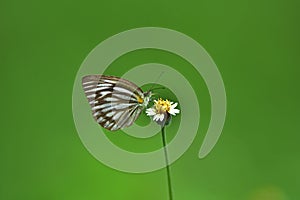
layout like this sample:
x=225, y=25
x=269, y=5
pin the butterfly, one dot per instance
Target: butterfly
x=115, y=102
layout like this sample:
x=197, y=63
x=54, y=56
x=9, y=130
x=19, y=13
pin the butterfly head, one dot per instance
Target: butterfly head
x=147, y=95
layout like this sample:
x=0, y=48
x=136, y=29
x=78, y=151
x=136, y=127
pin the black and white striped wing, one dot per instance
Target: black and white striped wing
x=115, y=102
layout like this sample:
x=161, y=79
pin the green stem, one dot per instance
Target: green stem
x=163, y=132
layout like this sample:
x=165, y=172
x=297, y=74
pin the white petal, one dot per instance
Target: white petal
x=150, y=111
x=161, y=117
x=174, y=111
x=156, y=117
x=174, y=105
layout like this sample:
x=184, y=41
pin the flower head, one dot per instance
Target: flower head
x=162, y=111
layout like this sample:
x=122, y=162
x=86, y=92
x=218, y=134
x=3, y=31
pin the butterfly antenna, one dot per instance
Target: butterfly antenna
x=158, y=88
x=157, y=79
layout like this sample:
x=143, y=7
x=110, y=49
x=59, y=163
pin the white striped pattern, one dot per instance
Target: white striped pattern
x=119, y=89
x=114, y=101
x=124, y=97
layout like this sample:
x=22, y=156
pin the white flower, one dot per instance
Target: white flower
x=162, y=109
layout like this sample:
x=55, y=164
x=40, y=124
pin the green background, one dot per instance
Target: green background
x=255, y=45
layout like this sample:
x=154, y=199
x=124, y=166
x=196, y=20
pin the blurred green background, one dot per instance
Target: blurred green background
x=256, y=46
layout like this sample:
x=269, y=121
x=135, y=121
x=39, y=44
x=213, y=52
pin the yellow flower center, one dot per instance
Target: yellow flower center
x=163, y=106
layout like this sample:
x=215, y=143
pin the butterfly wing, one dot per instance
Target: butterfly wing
x=115, y=102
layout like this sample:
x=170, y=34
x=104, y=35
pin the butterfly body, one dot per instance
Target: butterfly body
x=115, y=102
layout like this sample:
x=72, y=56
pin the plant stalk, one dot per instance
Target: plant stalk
x=163, y=132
